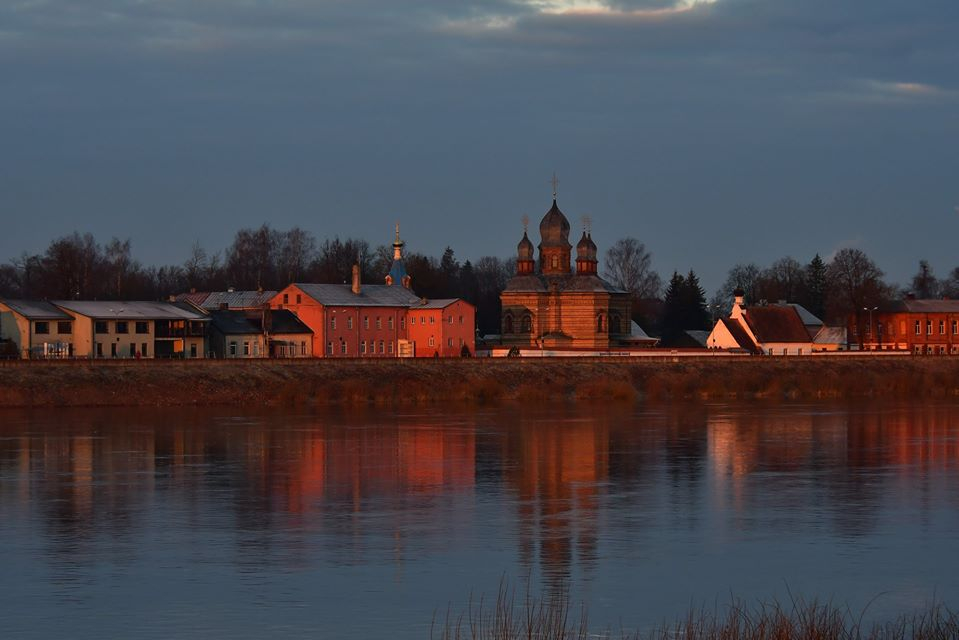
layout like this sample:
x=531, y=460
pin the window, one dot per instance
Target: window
x=232, y=348
x=461, y=319
x=41, y=328
x=382, y=347
x=554, y=262
x=66, y=328
x=390, y=347
x=379, y=322
x=363, y=346
x=303, y=348
x=389, y=322
x=349, y=322
x=366, y=322
x=256, y=349
x=942, y=327
x=141, y=327
x=955, y=327
x=508, y=324
x=286, y=298
x=918, y=330
x=299, y=299
x=449, y=342
x=432, y=342
x=145, y=354
x=99, y=327
x=99, y=349
x=928, y=327
x=122, y=326
x=451, y=319
x=329, y=348
x=113, y=349
x=246, y=348
x=333, y=323
x=402, y=323
x=133, y=349
x=192, y=350
x=600, y=323
x=432, y=320
x=343, y=347
x=527, y=323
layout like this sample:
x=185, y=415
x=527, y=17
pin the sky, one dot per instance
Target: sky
x=714, y=132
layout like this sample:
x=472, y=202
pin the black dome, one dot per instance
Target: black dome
x=554, y=228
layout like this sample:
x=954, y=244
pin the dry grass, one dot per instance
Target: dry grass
x=509, y=618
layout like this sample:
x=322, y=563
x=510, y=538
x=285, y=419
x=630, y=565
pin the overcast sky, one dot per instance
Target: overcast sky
x=715, y=132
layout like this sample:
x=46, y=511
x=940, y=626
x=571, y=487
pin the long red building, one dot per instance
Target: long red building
x=923, y=327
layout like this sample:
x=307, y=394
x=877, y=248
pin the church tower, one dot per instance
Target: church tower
x=554, y=246
x=397, y=274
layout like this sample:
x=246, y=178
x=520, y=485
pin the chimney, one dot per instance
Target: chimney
x=356, y=280
x=739, y=297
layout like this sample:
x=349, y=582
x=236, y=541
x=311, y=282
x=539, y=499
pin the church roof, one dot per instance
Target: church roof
x=525, y=248
x=554, y=228
x=776, y=323
x=573, y=283
x=398, y=271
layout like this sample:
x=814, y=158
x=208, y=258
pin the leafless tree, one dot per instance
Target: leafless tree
x=855, y=282
x=629, y=267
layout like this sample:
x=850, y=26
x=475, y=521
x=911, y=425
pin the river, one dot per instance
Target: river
x=197, y=523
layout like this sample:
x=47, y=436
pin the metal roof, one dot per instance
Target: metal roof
x=572, y=283
x=370, y=295
x=806, y=315
x=237, y=299
x=36, y=309
x=129, y=310
x=831, y=335
x=931, y=306
x=434, y=304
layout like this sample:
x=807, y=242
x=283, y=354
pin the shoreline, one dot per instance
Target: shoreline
x=395, y=382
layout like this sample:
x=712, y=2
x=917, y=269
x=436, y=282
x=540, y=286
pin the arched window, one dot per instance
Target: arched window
x=615, y=325
x=507, y=323
x=554, y=262
x=600, y=323
x=527, y=324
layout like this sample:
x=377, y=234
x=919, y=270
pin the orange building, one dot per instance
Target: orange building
x=442, y=328
x=924, y=327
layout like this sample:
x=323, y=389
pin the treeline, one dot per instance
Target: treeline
x=78, y=267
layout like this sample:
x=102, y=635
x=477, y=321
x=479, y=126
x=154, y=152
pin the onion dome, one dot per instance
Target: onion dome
x=554, y=228
x=582, y=248
x=524, y=250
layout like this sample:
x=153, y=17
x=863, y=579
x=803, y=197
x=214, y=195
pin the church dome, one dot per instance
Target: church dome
x=586, y=248
x=554, y=228
x=525, y=248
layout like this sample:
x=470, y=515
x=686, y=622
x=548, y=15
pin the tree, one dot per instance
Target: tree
x=743, y=276
x=855, y=283
x=695, y=315
x=629, y=267
x=925, y=285
x=296, y=252
x=672, y=323
x=950, y=286
x=817, y=287
x=118, y=264
x=783, y=280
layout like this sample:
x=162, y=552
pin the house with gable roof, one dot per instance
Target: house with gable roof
x=770, y=329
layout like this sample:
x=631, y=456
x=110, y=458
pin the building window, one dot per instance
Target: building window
x=600, y=322
x=286, y=298
x=256, y=349
x=141, y=327
x=389, y=322
x=246, y=348
x=449, y=342
x=942, y=327
x=403, y=323
x=527, y=323
x=363, y=346
x=121, y=326
x=432, y=342
x=64, y=328
x=100, y=327
x=333, y=323
x=343, y=347
x=390, y=347
x=382, y=347
x=299, y=299
x=379, y=322
x=99, y=349
x=432, y=319
x=554, y=261
x=232, y=348
x=113, y=349
x=133, y=350
x=41, y=328
x=146, y=354
x=349, y=322
x=918, y=330
x=366, y=322
x=451, y=319
x=461, y=319
x=507, y=324
x=928, y=327
x=329, y=348
x=303, y=348
x=955, y=327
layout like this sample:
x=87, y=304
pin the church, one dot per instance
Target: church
x=547, y=305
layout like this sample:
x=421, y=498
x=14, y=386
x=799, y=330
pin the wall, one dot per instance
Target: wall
x=462, y=331
x=309, y=311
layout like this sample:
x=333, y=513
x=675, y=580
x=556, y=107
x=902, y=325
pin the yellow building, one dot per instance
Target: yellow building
x=36, y=329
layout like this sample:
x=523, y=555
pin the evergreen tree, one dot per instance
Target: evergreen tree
x=925, y=285
x=673, y=310
x=695, y=314
x=816, y=287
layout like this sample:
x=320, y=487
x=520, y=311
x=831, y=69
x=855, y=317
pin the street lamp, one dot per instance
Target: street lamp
x=870, y=310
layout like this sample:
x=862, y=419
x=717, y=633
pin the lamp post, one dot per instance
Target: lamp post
x=870, y=310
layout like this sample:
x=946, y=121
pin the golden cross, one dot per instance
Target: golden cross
x=525, y=223
x=555, y=183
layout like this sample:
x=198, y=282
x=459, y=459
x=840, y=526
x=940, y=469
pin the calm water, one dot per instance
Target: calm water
x=197, y=524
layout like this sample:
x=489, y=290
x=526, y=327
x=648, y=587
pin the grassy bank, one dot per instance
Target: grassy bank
x=405, y=382
x=555, y=619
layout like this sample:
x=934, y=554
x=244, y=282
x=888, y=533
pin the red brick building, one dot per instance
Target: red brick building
x=923, y=327
x=441, y=328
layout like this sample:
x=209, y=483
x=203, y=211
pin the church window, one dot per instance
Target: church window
x=615, y=323
x=599, y=323
x=508, y=324
x=527, y=324
x=554, y=262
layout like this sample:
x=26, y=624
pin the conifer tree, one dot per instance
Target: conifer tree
x=816, y=286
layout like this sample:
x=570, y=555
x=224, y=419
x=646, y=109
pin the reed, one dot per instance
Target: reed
x=513, y=617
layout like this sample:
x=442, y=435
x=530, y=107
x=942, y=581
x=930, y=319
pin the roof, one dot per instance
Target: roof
x=238, y=322
x=237, y=299
x=739, y=334
x=698, y=336
x=831, y=335
x=930, y=306
x=636, y=334
x=370, y=295
x=806, y=315
x=776, y=323
x=554, y=228
x=571, y=282
x=129, y=310
x=434, y=304
x=397, y=271
x=194, y=297
x=36, y=309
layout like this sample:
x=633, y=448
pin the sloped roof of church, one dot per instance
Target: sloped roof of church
x=554, y=228
x=739, y=334
x=776, y=323
x=564, y=283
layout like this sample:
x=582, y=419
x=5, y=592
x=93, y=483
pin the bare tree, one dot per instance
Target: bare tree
x=783, y=280
x=297, y=250
x=629, y=267
x=743, y=276
x=118, y=263
x=925, y=285
x=855, y=283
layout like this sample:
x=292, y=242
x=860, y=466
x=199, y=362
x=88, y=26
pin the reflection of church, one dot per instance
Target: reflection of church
x=549, y=306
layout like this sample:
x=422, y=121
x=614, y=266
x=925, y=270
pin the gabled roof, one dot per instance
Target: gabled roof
x=36, y=309
x=285, y=321
x=806, y=315
x=434, y=304
x=371, y=295
x=236, y=322
x=831, y=335
x=776, y=323
x=194, y=297
x=928, y=306
x=236, y=299
x=129, y=310
x=739, y=334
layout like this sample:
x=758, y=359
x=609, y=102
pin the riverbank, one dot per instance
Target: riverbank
x=406, y=382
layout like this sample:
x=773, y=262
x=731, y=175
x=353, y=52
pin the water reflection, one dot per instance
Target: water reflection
x=234, y=507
